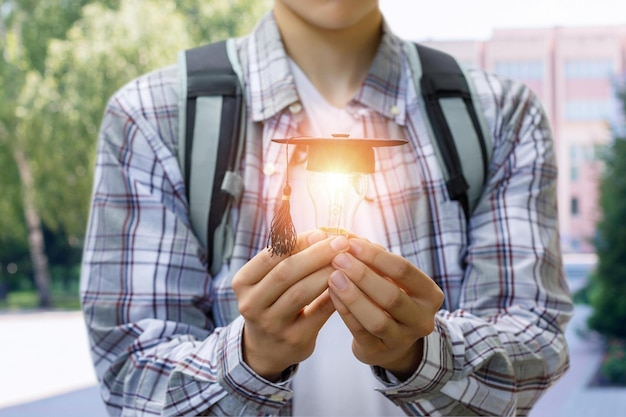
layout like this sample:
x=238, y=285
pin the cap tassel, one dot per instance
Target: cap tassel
x=282, y=238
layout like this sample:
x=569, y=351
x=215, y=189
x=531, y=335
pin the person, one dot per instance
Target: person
x=440, y=314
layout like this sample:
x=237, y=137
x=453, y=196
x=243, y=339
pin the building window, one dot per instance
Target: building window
x=520, y=70
x=588, y=68
x=573, y=174
x=580, y=154
x=588, y=110
x=574, y=208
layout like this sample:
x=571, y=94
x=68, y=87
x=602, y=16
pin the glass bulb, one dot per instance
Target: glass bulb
x=336, y=197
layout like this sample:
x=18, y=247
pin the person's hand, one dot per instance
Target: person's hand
x=388, y=304
x=285, y=302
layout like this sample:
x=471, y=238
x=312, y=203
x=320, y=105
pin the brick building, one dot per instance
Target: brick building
x=574, y=71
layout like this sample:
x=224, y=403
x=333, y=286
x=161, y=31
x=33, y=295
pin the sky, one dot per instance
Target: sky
x=476, y=19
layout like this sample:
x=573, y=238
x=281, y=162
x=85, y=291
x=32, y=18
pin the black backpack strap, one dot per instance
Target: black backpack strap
x=210, y=142
x=460, y=133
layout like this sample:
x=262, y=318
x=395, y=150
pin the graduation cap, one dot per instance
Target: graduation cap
x=337, y=166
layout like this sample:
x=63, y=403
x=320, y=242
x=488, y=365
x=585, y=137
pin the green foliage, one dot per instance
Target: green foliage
x=15, y=267
x=608, y=285
x=12, y=70
x=219, y=19
x=613, y=367
x=11, y=213
x=20, y=300
x=26, y=28
x=103, y=50
x=61, y=61
x=28, y=300
x=48, y=20
x=582, y=295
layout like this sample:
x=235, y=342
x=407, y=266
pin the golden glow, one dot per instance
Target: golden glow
x=336, y=197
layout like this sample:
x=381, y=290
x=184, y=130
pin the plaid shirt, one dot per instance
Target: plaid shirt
x=166, y=336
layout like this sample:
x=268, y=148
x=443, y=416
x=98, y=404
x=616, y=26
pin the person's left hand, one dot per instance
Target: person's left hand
x=388, y=304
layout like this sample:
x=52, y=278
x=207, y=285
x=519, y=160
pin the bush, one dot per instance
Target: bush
x=582, y=296
x=608, y=283
x=613, y=368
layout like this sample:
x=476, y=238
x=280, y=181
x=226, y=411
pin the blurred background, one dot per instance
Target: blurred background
x=62, y=60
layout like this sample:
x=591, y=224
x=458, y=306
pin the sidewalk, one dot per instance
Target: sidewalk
x=84, y=402
x=44, y=354
x=571, y=396
x=58, y=380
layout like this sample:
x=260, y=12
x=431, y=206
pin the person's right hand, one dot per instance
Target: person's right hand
x=285, y=302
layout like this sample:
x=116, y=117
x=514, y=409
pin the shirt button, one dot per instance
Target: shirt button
x=395, y=110
x=269, y=169
x=295, y=108
x=363, y=112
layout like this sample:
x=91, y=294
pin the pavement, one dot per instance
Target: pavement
x=572, y=395
x=46, y=370
x=46, y=366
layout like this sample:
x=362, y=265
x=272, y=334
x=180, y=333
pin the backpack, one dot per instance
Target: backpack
x=212, y=133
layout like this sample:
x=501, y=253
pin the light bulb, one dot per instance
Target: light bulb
x=336, y=197
x=338, y=169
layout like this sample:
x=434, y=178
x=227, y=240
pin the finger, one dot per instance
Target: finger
x=385, y=344
x=263, y=262
x=359, y=333
x=392, y=266
x=295, y=268
x=308, y=238
x=318, y=311
x=370, y=316
x=303, y=293
x=382, y=292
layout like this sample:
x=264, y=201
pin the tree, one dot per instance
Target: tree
x=102, y=51
x=49, y=20
x=26, y=27
x=105, y=49
x=58, y=103
x=11, y=79
x=219, y=19
x=13, y=70
x=608, y=284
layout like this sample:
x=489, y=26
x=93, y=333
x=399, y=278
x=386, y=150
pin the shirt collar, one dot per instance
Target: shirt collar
x=272, y=87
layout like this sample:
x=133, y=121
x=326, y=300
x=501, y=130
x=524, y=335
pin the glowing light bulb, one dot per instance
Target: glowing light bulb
x=336, y=197
x=338, y=169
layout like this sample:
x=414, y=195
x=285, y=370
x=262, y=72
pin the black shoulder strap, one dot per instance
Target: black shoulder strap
x=455, y=124
x=210, y=139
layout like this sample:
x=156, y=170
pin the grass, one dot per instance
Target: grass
x=29, y=300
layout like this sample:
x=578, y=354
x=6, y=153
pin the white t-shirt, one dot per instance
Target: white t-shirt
x=332, y=381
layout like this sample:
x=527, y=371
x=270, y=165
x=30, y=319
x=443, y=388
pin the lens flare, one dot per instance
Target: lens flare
x=336, y=197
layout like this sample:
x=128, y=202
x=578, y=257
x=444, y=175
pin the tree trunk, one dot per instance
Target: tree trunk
x=35, y=231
